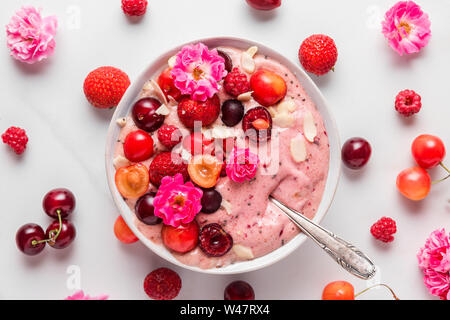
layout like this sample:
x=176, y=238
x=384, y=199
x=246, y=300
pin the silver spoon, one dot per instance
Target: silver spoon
x=344, y=253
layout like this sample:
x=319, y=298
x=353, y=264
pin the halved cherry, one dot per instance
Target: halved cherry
x=181, y=239
x=138, y=146
x=132, y=181
x=257, y=124
x=204, y=170
x=123, y=232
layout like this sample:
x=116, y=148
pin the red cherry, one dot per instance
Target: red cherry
x=58, y=200
x=268, y=87
x=181, y=239
x=428, y=151
x=264, y=4
x=138, y=146
x=145, y=116
x=356, y=153
x=338, y=290
x=239, y=290
x=28, y=236
x=64, y=238
x=414, y=183
x=165, y=81
x=123, y=232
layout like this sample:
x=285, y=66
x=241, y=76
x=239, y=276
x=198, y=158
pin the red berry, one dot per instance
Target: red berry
x=145, y=115
x=239, y=290
x=26, y=237
x=59, y=200
x=428, y=151
x=162, y=284
x=169, y=136
x=196, y=143
x=65, y=237
x=16, y=138
x=236, y=83
x=105, y=86
x=138, y=146
x=181, y=239
x=338, y=290
x=165, y=81
x=264, y=4
x=318, y=54
x=214, y=241
x=257, y=124
x=384, y=229
x=167, y=164
x=123, y=232
x=408, y=103
x=190, y=111
x=414, y=183
x=134, y=7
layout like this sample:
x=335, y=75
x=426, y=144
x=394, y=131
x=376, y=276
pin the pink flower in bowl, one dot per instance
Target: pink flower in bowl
x=79, y=295
x=30, y=37
x=197, y=71
x=177, y=202
x=242, y=165
x=406, y=27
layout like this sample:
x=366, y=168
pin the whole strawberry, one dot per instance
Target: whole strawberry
x=318, y=54
x=105, y=86
x=167, y=164
x=408, y=103
x=16, y=138
x=384, y=229
x=206, y=112
x=134, y=7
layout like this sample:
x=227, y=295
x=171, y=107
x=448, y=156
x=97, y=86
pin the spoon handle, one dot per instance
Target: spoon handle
x=344, y=253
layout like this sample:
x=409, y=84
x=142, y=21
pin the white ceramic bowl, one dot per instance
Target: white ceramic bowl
x=334, y=167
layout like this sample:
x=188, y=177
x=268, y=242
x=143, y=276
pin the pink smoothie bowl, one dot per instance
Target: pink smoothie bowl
x=314, y=93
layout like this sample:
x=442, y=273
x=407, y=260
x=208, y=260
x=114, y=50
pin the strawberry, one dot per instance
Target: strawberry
x=167, y=164
x=162, y=284
x=206, y=112
x=318, y=54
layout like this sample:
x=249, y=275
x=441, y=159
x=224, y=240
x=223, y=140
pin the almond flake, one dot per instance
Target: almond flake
x=243, y=252
x=286, y=106
x=243, y=97
x=158, y=91
x=172, y=61
x=252, y=51
x=298, y=149
x=163, y=110
x=247, y=63
x=121, y=122
x=227, y=206
x=120, y=161
x=283, y=120
x=222, y=132
x=309, y=127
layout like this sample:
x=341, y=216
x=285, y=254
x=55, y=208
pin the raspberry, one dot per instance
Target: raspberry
x=169, y=136
x=167, y=164
x=408, y=103
x=318, y=54
x=105, y=86
x=134, y=7
x=190, y=111
x=236, y=83
x=215, y=241
x=162, y=284
x=384, y=229
x=16, y=138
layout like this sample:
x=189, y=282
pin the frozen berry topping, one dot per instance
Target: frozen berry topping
x=236, y=83
x=408, y=103
x=167, y=164
x=162, y=284
x=16, y=138
x=134, y=7
x=384, y=229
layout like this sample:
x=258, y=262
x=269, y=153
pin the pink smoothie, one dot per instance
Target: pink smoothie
x=247, y=215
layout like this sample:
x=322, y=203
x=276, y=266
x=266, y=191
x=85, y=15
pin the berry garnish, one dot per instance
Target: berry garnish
x=165, y=82
x=180, y=239
x=264, y=4
x=239, y=290
x=318, y=54
x=196, y=143
x=236, y=83
x=162, y=284
x=211, y=201
x=268, y=87
x=30, y=239
x=228, y=61
x=123, y=232
x=138, y=146
x=232, y=112
x=204, y=170
x=145, y=211
x=132, y=181
x=214, y=241
x=428, y=151
x=414, y=183
x=204, y=112
x=257, y=124
x=338, y=290
x=60, y=234
x=408, y=103
x=145, y=116
x=384, y=229
x=16, y=138
x=356, y=153
x=105, y=86
x=169, y=136
x=167, y=164
x=60, y=201
x=134, y=7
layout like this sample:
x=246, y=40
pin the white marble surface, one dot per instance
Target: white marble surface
x=67, y=139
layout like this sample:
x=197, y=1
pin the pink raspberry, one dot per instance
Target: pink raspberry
x=384, y=229
x=134, y=7
x=408, y=103
x=16, y=138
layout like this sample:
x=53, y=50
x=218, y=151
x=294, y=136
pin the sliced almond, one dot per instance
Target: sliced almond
x=222, y=132
x=247, y=96
x=309, y=127
x=252, y=51
x=227, y=206
x=286, y=106
x=120, y=161
x=172, y=61
x=283, y=120
x=298, y=149
x=247, y=63
x=121, y=122
x=172, y=101
x=158, y=91
x=243, y=252
x=186, y=155
x=163, y=110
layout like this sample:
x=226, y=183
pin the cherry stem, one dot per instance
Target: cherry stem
x=379, y=285
x=445, y=168
x=54, y=237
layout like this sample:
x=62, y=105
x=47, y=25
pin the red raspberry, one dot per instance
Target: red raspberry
x=318, y=54
x=207, y=112
x=236, y=83
x=167, y=164
x=162, y=284
x=408, y=103
x=16, y=138
x=105, y=86
x=384, y=229
x=134, y=7
x=169, y=136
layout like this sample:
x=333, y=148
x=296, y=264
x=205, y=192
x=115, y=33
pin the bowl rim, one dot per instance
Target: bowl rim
x=334, y=169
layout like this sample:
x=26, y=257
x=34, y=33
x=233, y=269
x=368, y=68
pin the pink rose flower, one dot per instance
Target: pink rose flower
x=29, y=36
x=242, y=165
x=79, y=295
x=406, y=27
x=177, y=202
x=197, y=71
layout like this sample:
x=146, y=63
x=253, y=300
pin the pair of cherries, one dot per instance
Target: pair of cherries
x=58, y=204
